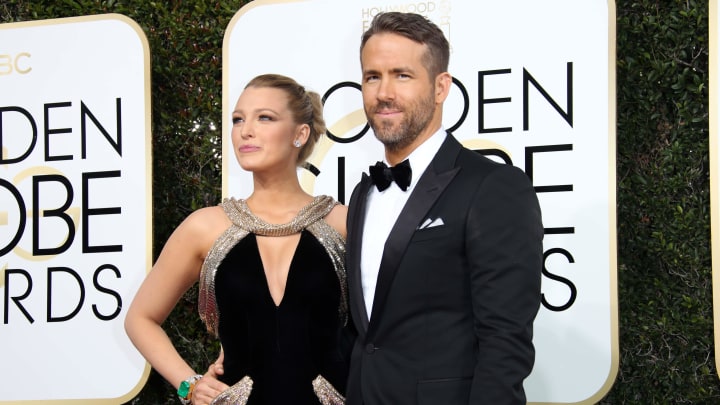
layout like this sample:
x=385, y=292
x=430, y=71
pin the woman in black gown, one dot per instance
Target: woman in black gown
x=270, y=267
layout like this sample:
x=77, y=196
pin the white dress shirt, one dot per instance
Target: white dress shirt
x=383, y=209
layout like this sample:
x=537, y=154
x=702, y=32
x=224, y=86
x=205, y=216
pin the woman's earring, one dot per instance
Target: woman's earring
x=297, y=143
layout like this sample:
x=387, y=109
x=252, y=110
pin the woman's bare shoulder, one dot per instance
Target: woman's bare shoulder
x=206, y=223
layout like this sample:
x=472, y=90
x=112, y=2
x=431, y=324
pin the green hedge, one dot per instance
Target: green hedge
x=665, y=293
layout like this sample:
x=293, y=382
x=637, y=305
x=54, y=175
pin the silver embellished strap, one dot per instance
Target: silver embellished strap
x=207, y=304
x=334, y=244
x=236, y=395
x=326, y=393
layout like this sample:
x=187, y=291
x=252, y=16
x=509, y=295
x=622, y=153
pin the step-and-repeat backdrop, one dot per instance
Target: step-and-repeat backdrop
x=534, y=86
x=75, y=207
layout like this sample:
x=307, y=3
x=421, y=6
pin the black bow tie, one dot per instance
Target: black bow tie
x=382, y=175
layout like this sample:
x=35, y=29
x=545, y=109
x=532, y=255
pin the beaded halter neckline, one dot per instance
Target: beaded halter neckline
x=244, y=218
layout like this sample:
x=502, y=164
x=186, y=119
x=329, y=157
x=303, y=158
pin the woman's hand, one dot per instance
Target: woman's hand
x=209, y=387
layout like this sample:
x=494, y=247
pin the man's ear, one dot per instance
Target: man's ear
x=443, y=82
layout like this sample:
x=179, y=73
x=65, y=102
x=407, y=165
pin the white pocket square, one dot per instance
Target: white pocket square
x=430, y=223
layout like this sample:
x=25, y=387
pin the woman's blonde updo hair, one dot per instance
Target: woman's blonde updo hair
x=305, y=105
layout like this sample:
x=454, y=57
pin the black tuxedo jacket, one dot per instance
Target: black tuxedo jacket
x=454, y=305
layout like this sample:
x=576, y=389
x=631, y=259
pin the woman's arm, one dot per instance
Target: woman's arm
x=175, y=271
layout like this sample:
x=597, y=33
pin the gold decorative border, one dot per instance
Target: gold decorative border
x=714, y=197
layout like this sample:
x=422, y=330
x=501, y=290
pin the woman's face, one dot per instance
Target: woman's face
x=264, y=130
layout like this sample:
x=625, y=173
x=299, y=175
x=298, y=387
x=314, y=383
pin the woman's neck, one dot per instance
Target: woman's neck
x=277, y=201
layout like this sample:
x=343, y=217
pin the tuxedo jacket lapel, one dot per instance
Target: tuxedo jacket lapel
x=428, y=189
x=356, y=220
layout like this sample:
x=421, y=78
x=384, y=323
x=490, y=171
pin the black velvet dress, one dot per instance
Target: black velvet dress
x=284, y=347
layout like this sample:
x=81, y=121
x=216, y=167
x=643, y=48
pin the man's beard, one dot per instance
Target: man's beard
x=395, y=137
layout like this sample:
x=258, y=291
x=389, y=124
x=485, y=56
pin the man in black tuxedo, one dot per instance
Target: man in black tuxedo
x=444, y=257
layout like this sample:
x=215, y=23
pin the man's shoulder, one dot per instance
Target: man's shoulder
x=481, y=164
x=480, y=160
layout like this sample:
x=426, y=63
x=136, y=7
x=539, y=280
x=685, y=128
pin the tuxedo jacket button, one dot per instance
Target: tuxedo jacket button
x=370, y=348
